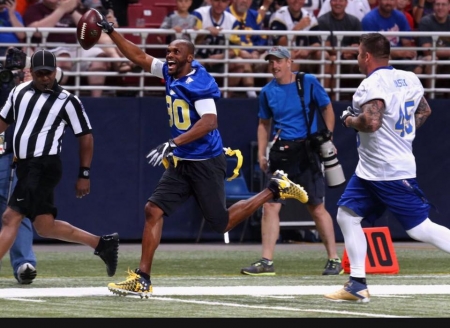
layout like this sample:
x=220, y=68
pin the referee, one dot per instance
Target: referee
x=41, y=109
x=21, y=255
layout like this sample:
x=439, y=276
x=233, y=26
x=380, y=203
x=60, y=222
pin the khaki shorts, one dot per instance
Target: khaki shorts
x=72, y=52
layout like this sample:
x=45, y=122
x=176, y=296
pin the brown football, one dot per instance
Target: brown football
x=88, y=32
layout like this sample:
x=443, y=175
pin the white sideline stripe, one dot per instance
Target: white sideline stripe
x=381, y=290
x=279, y=308
x=25, y=300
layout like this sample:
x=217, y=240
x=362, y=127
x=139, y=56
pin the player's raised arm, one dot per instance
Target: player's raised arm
x=128, y=48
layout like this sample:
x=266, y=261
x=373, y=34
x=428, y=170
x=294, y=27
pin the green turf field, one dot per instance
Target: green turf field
x=204, y=280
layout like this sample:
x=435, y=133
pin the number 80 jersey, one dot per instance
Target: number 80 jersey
x=181, y=95
x=386, y=154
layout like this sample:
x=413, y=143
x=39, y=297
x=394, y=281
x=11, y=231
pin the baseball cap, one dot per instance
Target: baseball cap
x=280, y=52
x=43, y=59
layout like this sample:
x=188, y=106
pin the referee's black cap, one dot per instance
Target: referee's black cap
x=43, y=59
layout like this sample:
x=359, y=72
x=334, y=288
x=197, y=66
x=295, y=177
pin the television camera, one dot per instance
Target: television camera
x=16, y=59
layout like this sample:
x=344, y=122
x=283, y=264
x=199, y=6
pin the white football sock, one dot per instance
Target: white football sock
x=432, y=233
x=355, y=240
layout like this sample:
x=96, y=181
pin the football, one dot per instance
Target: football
x=88, y=32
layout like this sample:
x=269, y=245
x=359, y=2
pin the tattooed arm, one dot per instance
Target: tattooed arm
x=422, y=112
x=370, y=118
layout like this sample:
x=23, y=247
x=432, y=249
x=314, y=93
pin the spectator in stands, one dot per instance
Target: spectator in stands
x=311, y=6
x=386, y=18
x=9, y=17
x=357, y=8
x=294, y=18
x=421, y=8
x=251, y=20
x=215, y=18
x=439, y=21
x=179, y=20
x=403, y=5
x=63, y=13
x=269, y=6
x=338, y=20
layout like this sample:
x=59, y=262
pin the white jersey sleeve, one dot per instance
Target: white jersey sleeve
x=156, y=68
x=386, y=154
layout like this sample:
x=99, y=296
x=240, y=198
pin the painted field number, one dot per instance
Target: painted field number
x=381, y=257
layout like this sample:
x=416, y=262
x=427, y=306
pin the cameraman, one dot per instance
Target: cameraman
x=22, y=257
x=9, y=17
x=279, y=101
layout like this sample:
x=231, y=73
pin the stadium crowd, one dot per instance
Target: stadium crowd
x=249, y=15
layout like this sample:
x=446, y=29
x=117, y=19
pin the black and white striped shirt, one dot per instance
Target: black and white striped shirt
x=41, y=119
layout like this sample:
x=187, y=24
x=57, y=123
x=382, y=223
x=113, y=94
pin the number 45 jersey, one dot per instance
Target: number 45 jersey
x=386, y=154
x=181, y=95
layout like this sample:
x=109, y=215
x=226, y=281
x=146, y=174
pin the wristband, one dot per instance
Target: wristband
x=84, y=173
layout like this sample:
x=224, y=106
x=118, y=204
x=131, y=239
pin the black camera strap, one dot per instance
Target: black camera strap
x=301, y=91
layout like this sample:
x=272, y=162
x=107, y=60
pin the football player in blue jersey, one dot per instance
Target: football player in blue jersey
x=194, y=156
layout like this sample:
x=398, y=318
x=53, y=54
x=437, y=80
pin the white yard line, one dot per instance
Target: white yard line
x=375, y=290
x=279, y=308
x=161, y=293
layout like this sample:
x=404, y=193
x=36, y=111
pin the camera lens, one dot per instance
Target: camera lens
x=6, y=76
x=333, y=170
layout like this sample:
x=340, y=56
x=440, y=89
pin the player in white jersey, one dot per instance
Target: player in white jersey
x=388, y=107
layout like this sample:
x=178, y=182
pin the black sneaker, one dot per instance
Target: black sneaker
x=26, y=274
x=108, y=249
x=333, y=267
x=259, y=268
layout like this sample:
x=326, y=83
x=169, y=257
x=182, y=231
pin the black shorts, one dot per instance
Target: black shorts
x=292, y=157
x=202, y=179
x=36, y=181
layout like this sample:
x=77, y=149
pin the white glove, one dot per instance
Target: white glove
x=164, y=150
x=346, y=113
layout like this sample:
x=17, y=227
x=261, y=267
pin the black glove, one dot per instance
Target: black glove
x=107, y=27
x=164, y=150
x=346, y=113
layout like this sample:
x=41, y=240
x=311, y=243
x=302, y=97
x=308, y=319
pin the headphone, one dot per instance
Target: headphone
x=59, y=75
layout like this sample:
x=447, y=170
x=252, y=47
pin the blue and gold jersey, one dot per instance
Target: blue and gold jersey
x=250, y=21
x=181, y=95
x=204, y=21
